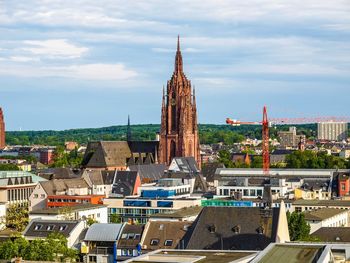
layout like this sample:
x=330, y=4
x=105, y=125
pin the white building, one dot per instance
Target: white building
x=326, y=217
x=332, y=131
x=79, y=212
x=249, y=183
x=39, y=228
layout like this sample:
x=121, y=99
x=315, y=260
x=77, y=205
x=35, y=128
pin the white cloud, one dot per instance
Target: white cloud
x=112, y=72
x=22, y=59
x=54, y=48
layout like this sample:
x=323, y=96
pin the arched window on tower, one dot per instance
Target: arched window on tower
x=173, y=111
x=172, y=150
x=190, y=148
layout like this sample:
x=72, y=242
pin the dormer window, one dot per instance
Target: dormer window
x=260, y=230
x=236, y=229
x=168, y=242
x=212, y=229
x=154, y=242
x=37, y=227
x=50, y=227
x=62, y=228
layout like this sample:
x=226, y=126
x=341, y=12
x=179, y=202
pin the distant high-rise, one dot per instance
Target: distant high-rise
x=179, y=131
x=332, y=131
x=2, y=130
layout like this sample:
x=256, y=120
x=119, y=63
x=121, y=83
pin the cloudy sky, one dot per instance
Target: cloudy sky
x=86, y=63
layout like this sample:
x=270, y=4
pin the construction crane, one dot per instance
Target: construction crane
x=279, y=121
x=265, y=137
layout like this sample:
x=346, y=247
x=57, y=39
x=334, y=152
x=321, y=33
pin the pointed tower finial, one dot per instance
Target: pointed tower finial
x=128, y=130
x=178, y=57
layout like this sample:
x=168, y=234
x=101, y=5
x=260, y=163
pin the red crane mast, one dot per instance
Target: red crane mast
x=265, y=137
x=265, y=129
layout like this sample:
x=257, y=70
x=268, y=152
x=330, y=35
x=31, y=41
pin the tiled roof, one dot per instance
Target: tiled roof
x=333, y=234
x=106, y=154
x=240, y=228
x=322, y=214
x=162, y=231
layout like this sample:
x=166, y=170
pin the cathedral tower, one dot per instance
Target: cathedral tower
x=2, y=130
x=179, y=131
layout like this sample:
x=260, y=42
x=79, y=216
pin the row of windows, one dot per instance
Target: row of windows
x=167, y=243
x=130, y=236
x=50, y=227
x=19, y=194
x=84, y=201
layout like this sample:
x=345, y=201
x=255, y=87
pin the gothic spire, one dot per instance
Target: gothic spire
x=178, y=57
x=128, y=130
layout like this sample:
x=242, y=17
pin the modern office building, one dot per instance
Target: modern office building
x=332, y=131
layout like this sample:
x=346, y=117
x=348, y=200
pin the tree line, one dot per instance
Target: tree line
x=209, y=134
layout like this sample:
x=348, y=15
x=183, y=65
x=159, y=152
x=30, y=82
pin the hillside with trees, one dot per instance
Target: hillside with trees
x=209, y=133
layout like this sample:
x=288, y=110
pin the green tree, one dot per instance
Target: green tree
x=90, y=221
x=9, y=167
x=299, y=229
x=17, y=217
x=225, y=158
x=115, y=218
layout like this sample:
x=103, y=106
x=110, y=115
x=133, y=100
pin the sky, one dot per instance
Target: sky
x=85, y=63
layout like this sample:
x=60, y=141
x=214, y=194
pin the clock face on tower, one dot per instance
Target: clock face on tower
x=173, y=102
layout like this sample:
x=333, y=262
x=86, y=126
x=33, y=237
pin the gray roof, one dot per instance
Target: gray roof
x=333, y=234
x=215, y=228
x=149, y=172
x=60, y=185
x=99, y=177
x=322, y=214
x=103, y=232
x=39, y=228
x=186, y=164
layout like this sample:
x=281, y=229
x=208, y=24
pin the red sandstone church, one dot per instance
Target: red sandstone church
x=179, y=130
x=2, y=130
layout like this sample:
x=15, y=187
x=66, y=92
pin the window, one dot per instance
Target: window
x=137, y=236
x=154, y=242
x=62, y=228
x=168, y=242
x=92, y=258
x=343, y=187
x=50, y=227
x=131, y=236
x=38, y=227
x=124, y=252
x=98, y=215
x=124, y=236
x=259, y=192
x=36, y=195
x=42, y=196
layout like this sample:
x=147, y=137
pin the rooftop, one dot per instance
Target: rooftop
x=322, y=214
x=103, y=232
x=345, y=203
x=58, y=210
x=13, y=174
x=189, y=256
x=333, y=234
x=183, y=212
x=292, y=253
